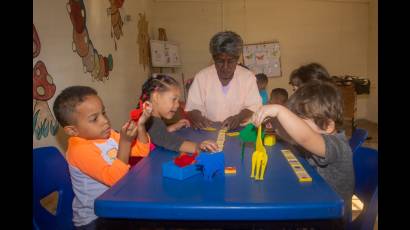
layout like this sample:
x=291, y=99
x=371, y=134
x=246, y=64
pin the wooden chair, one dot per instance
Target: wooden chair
x=349, y=103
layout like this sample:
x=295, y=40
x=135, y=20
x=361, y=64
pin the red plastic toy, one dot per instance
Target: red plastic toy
x=136, y=113
x=185, y=159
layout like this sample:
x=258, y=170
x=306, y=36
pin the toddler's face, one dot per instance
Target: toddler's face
x=261, y=85
x=91, y=121
x=168, y=102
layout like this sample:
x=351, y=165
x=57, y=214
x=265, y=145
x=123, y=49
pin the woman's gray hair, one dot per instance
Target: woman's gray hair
x=226, y=42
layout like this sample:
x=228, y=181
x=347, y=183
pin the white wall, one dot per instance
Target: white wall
x=334, y=33
x=54, y=28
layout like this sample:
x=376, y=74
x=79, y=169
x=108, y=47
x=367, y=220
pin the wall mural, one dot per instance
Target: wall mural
x=93, y=62
x=116, y=20
x=43, y=89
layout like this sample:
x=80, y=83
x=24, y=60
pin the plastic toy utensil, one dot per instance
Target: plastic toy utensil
x=259, y=158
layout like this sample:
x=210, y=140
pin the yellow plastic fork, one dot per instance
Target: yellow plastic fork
x=259, y=158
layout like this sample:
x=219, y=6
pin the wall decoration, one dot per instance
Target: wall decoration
x=116, y=20
x=263, y=58
x=164, y=54
x=36, y=43
x=143, y=40
x=93, y=62
x=43, y=90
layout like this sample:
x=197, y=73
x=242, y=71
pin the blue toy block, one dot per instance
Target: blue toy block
x=170, y=170
x=211, y=163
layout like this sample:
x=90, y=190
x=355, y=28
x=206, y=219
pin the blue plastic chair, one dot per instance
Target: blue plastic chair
x=50, y=173
x=357, y=139
x=365, y=162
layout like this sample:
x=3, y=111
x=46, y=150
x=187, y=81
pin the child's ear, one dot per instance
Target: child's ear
x=71, y=130
x=154, y=97
x=331, y=127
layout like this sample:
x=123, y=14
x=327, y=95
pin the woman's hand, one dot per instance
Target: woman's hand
x=232, y=122
x=197, y=120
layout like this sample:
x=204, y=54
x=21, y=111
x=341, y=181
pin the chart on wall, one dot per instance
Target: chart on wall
x=164, y=54
x=263, y=58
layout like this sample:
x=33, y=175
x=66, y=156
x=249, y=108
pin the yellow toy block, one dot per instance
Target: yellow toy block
x=233, y=134
x=211, y=129
x=270, y=140
x=221, y=139
x=296, y=166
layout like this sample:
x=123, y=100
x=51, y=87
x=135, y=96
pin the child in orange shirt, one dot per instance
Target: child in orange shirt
x=97, y=155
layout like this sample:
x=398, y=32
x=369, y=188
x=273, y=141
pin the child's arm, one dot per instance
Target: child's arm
x=181, y=123
x=191, y=147
x=142, y=132
x=296, y=127
x=87, y=158
x=281, y=132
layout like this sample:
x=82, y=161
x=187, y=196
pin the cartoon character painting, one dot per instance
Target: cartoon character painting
x=116, y=20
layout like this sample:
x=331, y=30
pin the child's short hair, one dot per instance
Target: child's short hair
x=279, y=93
x=319, y=101
x=67, y=100
x=157, y=82
x=307, y=73
x=261, y=78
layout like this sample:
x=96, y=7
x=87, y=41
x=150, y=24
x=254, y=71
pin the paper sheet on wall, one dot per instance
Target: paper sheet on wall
x=263, y=58
x=164, y=54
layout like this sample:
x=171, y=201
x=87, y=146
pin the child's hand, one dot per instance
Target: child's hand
x=265, y=111
x=182, y=123
x=129, y=131
x=208, y=145
x=147, y=110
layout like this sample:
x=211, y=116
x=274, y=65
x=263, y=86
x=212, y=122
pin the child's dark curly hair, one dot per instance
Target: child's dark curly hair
x=159, y=83
x=310, y=72
x=67, y=100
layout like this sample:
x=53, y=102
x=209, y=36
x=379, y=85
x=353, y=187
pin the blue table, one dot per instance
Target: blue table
x=145, y=195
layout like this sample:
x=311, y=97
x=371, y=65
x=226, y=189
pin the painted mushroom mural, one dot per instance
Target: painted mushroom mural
x=44, y=89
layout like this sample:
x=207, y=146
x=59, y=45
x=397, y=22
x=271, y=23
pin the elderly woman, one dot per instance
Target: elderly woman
x=225, y=91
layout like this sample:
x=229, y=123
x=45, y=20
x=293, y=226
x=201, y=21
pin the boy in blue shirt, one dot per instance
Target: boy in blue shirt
x=262, y=81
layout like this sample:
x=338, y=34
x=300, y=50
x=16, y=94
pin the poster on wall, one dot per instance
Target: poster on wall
x=164, y=54
x=263, y=58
